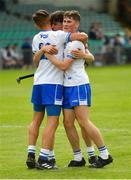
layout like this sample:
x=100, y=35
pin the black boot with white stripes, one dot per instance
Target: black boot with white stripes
x=44, y=164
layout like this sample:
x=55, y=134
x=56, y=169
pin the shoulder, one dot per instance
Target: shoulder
x=35, y=37
x=61, y=33
x=77, y=45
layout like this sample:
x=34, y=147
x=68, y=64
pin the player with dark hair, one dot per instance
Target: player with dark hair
x=56, y=20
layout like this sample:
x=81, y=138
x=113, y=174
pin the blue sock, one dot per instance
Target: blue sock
x=44, y=153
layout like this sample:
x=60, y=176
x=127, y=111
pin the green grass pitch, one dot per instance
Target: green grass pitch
x=110, y=111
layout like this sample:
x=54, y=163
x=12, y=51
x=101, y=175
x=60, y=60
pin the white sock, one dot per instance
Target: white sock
x=78, y=155
x=51, y=155
x=31, y=149
x=44, y=153
x=103, y=152
x=90, y=151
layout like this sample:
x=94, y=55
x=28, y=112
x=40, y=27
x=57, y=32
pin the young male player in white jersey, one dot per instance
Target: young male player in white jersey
x=77, y=95
x=47, y=89
x=56, y=24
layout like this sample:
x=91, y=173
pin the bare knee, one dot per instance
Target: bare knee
x=53, y=123
x=68, y=124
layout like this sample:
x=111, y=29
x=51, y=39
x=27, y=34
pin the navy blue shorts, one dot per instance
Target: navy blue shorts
x=52, y=110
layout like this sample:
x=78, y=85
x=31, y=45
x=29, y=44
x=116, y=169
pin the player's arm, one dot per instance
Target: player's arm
x=87, y=55
x=45, y=49
x=63, y=65
x=37, y=56
x=79, y=37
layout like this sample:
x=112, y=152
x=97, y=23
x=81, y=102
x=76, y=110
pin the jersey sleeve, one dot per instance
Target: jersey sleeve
x=75, y=45
x=64, y=37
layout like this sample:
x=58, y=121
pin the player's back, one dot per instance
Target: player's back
x=46, y=72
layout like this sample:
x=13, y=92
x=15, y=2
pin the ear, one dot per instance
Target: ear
x=77, y=24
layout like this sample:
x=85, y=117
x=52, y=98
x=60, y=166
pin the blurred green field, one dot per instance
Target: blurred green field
x=111, y=112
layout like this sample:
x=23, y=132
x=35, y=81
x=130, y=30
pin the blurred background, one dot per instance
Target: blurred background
x=107, y=23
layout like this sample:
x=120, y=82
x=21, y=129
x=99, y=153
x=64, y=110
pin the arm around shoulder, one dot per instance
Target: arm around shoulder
x=79, y=37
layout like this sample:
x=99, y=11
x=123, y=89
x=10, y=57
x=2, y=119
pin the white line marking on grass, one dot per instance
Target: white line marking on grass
x=103, y=129
x=114, y=129
x=13, y=126
x=118, y=170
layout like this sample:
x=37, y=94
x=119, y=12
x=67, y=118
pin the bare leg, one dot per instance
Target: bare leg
x=86, y=137
x=73, y=138
x=82, y=114
x=33, y=135
x=34, y=127
x=49, y=132
x=70, y=129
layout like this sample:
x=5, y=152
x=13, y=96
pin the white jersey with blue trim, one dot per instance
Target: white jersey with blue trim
x=75, y=75
x=46, y=72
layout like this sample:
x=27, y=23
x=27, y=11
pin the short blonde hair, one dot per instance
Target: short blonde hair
x=41, y=17
x=73, y=14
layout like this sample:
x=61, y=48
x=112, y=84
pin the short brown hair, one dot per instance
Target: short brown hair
x=41, y=17
x=56, y=17
x=72, y=14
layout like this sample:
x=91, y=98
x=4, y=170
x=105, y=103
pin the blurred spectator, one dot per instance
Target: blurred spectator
x=118, y=40
x=27, y=54
x=128, y=50
x=107, y=56
x=99, y=31
x=118, y=43
x=92, y=33
x=7, y=60
x=129, y=41
x=15, y=54
x=96, y=32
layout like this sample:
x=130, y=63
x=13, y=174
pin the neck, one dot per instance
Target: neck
x=46, y=28
x=74, y=31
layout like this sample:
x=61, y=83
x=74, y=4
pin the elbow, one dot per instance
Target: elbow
x=84, y=37
x=90, y=59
